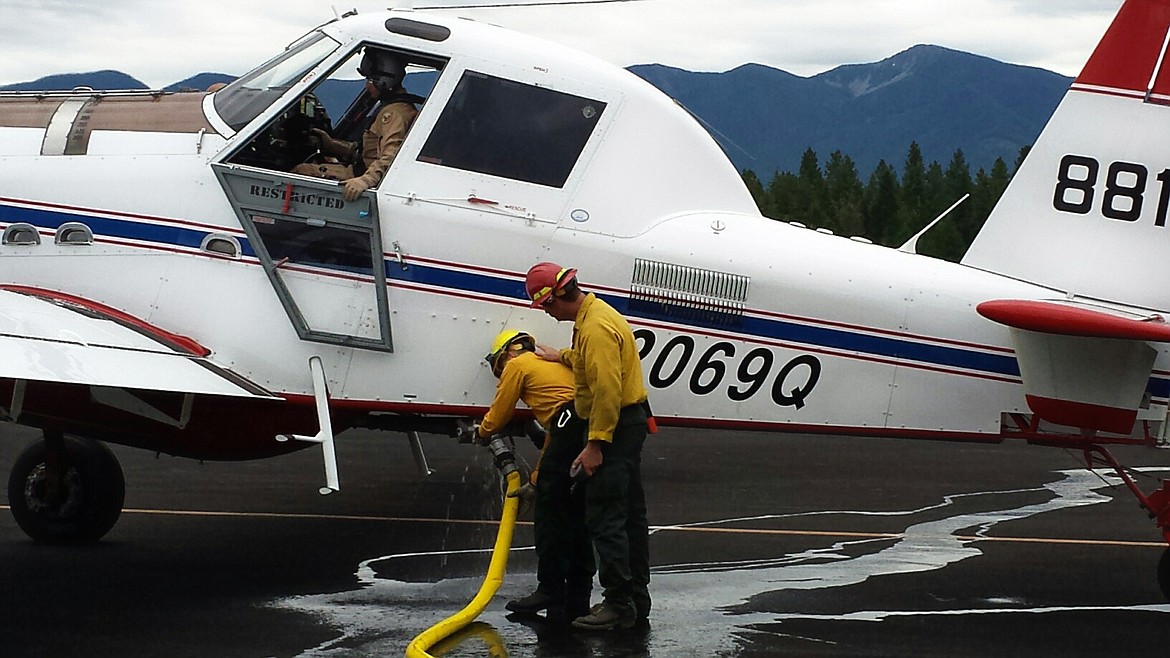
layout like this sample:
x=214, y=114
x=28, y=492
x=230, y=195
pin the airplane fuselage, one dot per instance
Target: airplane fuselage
x=743, y=321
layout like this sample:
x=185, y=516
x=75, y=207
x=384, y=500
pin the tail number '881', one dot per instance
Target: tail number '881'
x=791, y=384
x=1122, y=192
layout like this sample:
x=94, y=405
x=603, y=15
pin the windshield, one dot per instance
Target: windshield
x=247, y=97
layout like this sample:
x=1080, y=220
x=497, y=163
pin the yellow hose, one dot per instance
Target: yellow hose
x=418, y=646
x=483, y=631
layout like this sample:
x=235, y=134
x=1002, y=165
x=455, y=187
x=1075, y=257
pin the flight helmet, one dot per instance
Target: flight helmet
x=385, y=69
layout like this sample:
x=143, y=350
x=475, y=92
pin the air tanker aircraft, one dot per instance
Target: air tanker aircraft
x=167, y=282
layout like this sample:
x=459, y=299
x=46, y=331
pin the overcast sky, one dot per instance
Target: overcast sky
x=161, y=43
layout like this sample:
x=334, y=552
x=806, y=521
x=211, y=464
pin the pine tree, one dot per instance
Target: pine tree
x=783, y=198
x=957, y=184
x=843, y=191
x=944, y=239
x=880, y=203
x=988, y=189
x=756, y=189
x=1024, y=151
x=811, y=203
x=912, y=199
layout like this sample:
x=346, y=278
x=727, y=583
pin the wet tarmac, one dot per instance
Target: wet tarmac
x=764, y=545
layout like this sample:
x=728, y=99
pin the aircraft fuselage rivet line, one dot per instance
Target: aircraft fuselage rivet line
x=655, y=529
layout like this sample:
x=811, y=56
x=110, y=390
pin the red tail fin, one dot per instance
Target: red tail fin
x=1131, y=59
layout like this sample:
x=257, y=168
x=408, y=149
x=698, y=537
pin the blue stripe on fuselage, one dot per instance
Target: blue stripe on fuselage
x=500, y=286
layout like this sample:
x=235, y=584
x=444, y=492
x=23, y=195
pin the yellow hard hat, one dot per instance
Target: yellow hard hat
x=500, y=345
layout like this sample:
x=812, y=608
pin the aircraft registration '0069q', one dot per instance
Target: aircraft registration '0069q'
x=168, y=283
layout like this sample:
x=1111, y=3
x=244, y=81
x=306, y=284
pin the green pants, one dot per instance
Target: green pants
x=565, y=564
x=615, y=513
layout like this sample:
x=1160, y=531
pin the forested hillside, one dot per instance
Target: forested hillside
x=891, y=203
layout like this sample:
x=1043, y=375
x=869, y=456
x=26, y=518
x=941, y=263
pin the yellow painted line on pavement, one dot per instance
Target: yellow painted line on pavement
x=669, y=528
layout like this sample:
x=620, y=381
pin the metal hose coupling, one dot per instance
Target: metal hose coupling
x=502, y=455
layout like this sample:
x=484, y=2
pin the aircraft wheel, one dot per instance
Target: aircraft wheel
x=1164, y=573
x=83, y=506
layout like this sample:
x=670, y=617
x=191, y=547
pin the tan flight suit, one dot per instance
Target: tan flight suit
x=380, y=144
x=384, y=137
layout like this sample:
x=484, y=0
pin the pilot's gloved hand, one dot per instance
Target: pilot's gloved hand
x=526, y=493
x=320, y=139
x=334, y=148
x=354, y=188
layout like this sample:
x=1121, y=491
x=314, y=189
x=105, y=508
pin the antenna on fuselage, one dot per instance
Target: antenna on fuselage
x=911, y=246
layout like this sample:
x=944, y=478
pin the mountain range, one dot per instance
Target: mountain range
x=766, y=118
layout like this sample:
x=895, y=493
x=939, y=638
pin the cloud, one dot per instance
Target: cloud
x=161, y=43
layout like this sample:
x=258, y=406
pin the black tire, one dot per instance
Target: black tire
x=1164, y=573
x=89, y=503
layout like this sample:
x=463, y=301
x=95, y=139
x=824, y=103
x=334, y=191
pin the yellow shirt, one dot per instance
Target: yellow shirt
x=606, y=369
x=543, y=385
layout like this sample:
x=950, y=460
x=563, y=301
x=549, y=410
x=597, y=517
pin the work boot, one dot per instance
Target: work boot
x=575, y=608
x=535, y=602
x=606, y=617
x=642, y=605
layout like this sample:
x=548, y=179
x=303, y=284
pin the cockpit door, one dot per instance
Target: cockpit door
x=323, y=255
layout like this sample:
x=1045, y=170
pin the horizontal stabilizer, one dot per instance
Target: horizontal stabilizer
x=1074, y=319
x=1083, y=366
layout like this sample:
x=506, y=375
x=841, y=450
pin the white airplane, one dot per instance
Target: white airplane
x=169, y=284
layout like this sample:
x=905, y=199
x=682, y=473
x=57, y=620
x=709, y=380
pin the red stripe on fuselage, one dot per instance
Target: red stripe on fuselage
x=174, y=341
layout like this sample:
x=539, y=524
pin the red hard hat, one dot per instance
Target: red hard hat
x=546, y=279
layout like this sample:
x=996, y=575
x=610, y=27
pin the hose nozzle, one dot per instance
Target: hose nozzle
x=502, y=455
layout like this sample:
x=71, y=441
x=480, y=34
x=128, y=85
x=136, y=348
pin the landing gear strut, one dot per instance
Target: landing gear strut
x=1164, y=573
x=1157, y=504
x=66, y=490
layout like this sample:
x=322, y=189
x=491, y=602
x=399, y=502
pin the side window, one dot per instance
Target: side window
x=512, y=130
x=314, y=243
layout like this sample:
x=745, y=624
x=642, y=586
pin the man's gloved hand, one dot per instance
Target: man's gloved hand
x=479, y=438
x=354, y=188
x=334, y=148
x=526, y=493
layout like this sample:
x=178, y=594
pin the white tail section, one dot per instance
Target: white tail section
x=1087, y=213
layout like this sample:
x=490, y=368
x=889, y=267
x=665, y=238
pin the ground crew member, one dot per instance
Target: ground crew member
x=565, y=564
x=610, y=395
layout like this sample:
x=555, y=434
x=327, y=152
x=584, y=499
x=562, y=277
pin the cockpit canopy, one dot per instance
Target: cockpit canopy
x=495, y=109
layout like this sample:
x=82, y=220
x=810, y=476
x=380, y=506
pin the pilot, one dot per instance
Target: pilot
x=384, y=72
x=565, y=563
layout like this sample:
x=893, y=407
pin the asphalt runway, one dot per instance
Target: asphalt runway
x=765, y=545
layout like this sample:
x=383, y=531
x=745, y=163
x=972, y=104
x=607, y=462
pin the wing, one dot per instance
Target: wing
x=54, y=337
x=1083, y=366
